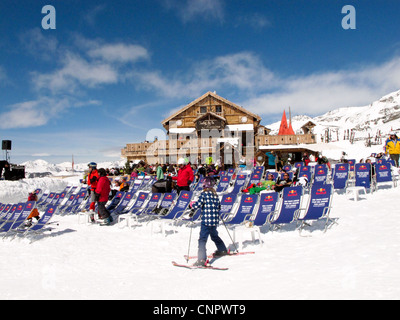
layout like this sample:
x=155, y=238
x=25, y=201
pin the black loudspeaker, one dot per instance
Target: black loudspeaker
x=6, y=145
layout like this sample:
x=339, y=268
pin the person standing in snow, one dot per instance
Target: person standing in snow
x=92, y=180
x=185, y=176
x=393, y=148
x=103, y=188
x=210, y=209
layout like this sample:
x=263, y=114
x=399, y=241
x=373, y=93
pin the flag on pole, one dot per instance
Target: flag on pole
x=73, y=163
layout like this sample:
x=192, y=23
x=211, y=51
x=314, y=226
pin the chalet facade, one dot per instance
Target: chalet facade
x=210, y=126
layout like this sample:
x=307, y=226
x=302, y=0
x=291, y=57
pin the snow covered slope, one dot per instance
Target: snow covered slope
x=383, y=115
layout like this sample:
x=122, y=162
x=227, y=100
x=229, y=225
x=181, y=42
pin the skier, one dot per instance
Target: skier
x=210, y=207
x=92, y=179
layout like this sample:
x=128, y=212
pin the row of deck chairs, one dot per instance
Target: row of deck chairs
x=359, y=175
x=13, y=218
x=253, y=211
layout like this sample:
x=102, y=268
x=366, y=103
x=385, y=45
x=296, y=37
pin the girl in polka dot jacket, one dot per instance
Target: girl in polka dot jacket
x=210, y=208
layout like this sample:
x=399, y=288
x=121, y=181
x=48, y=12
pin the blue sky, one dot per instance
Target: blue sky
x=113, y=70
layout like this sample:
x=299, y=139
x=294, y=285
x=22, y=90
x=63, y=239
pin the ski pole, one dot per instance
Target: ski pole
x=190, y=240
x=236, y=249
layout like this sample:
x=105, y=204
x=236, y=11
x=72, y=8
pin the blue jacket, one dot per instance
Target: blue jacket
x=210, y=208
x=271, y=159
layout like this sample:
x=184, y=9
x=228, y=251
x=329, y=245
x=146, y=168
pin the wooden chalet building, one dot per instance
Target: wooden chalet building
x=209, y=126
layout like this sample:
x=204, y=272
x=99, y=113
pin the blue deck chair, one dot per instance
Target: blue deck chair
x=230, y=172
x=352, y=163
x=291, y=201
x=383, y=173
x=123, y=203
x=43, y=221
x=287, y=168
x=11, y=216
x=274, y=173
x=268, y=202
x=239, y=183
x=47, y=201
x=136, y=207
x=19, y=221
x=223, y=183
x=363, y=175
x=320, y=175
x=42, y=198
x=318, y=207
x=70, y=200
x=8, y=212
x=255, y=178
x=166, y=202
x=137, y=184
x=176, y=211
x=227, y=203
x=299, y=164
x=180, y=206
x=77, y=202
x=114, y=201
x=267, y=205
x=246, y=207
x=340, y=176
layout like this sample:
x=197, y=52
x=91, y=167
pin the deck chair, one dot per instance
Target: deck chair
x=267, y=205
x=43, y=221
x=177, y=210
x=48, y=200
x=166, y=202
x=137, y=206
x=246, y=207
x=383, y=173
x=320, y=175
x=291, y=201
x=340, y=176
x=318, y=206
x=239, y=183
x=255, y=178
x=114, y=201
x=11, y=216
x=8, y=213
x=19, y=221
x=362, y=180
x=223, y=183
x=123, y=203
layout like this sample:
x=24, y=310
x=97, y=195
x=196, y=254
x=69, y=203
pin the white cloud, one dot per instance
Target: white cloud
x=119, y=52
x=241, y=71
x=316, y=94
x=189, y=10
x=76, y=71
x=33, y=113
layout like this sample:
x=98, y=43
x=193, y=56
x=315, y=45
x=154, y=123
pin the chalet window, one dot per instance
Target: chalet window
x=218, y=109
x=203, y=109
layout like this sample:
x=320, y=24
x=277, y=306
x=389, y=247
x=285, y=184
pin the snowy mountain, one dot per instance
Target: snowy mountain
x=42, y=168
x=382, y=115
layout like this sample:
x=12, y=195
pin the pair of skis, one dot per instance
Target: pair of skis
x=208, y=264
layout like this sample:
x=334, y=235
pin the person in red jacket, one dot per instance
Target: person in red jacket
x=92, y=179
x=185, y=176
x=103, y=188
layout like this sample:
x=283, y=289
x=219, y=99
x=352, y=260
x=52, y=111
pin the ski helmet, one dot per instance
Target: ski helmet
x=92, y=165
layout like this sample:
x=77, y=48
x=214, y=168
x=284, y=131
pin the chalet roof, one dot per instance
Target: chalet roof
x=212, y=94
